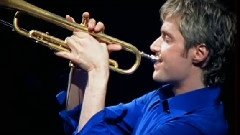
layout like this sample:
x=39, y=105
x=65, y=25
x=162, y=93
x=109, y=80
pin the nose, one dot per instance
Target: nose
x=156, y=45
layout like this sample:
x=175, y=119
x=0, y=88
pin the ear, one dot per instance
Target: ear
x=200, y=53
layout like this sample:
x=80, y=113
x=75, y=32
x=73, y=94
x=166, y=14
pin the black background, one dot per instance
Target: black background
x=31, y=75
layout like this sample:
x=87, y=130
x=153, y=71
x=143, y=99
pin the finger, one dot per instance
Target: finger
x=100, y=27
x=64, y=54
x=91, y=24
x=114, y=47
x=85, y=18
x=85, y=15
x=75, y=59
x=71, y=19
x=68, y=17
x=73, y=43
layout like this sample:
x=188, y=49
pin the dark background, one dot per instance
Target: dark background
x=31, y=75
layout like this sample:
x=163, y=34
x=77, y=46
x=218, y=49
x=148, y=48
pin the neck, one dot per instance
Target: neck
x=192, y=82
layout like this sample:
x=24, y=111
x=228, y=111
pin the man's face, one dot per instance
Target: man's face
x=174, y=65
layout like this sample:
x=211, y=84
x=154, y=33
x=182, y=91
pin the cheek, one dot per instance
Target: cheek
x=178, y=68
x=175, y=63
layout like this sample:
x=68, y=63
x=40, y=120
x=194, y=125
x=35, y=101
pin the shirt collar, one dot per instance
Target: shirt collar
x=189, y=101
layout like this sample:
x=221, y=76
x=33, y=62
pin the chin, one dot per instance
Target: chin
x=159, y=77
x=156, y=76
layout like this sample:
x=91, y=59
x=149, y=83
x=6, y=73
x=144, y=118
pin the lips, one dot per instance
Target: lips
x=158, y=60
x=157, y=65
x=160, y=57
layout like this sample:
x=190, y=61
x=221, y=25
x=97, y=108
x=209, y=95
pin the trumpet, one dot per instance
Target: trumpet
x=58, y=44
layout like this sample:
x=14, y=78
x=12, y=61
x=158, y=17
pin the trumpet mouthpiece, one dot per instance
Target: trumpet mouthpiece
x=151, y=57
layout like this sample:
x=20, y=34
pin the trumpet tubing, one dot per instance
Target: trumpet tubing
x=59, y=45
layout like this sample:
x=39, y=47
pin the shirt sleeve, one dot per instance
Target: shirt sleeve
x=119, y=119
x=69, y=118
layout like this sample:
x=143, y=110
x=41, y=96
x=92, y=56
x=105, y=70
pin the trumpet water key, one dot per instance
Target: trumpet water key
x=58, y=44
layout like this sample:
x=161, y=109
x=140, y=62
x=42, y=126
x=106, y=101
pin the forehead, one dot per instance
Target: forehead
x=171, y=27
x=170, y=23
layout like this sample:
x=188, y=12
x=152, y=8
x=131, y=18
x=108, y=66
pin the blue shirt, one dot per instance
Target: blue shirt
x=157, y=113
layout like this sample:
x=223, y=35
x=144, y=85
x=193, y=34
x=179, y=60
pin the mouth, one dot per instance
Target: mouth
x=156, y=58
x=157, y=61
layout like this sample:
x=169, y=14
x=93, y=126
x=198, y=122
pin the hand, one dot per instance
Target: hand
x=92, y=25
x=86, y=51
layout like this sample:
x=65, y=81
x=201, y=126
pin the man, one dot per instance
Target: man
x=196, y=37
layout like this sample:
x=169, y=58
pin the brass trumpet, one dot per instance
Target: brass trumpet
x=58, y=44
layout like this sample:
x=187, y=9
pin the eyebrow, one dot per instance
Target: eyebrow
x=167, y=33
